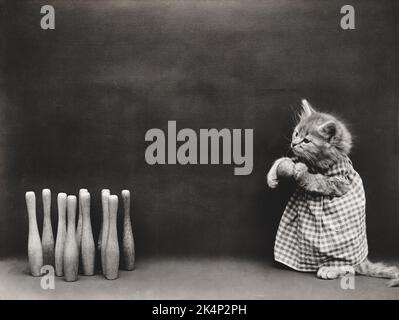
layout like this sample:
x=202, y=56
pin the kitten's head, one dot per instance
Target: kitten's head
x=320, y=139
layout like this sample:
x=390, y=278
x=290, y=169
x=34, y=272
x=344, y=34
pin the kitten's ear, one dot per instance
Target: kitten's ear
x=307, y=109
x=328, y=129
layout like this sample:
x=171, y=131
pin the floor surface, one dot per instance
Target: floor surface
x=177, y=278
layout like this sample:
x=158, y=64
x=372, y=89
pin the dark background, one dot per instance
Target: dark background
x=77, y=101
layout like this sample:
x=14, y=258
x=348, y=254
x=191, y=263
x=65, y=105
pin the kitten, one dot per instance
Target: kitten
x=323, y=227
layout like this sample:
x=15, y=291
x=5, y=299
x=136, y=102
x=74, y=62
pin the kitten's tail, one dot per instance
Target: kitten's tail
x=379, y=270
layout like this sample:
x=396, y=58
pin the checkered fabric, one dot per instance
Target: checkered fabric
x=317, y=230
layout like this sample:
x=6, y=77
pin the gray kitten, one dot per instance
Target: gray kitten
x=323, y=226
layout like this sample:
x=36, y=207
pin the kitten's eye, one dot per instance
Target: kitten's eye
x=306, y=140
x=296, y=134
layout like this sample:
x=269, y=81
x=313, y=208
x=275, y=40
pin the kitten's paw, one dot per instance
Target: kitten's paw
x=299, y=169
x=285, y=169
x=328, y=273
x=272, y=179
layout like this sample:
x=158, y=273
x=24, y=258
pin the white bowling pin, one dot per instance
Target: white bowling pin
x=128, y=239
x=71, y=252
x=61, y=235
x=47, y=235
x=88, y=248
x=79, y=228
x=112, y=246
x=35, y=250
x=99, y=241
x=105, y=225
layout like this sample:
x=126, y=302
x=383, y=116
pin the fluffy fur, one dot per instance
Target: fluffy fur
x=318, y=141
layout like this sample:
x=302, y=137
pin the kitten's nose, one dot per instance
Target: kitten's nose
x=295, y=142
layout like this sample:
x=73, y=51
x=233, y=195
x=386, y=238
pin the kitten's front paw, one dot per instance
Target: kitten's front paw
x=299, y=169
x=285, y=169
x=272, y=180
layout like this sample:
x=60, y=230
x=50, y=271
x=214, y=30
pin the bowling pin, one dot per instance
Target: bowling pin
x=47, y=235
x=79, y=228
x=128, y=239
x=105, y=226
x=71, y=252
x=61, y=235
x=88, y=248
x=35, y=250
x=101, y=228
x=112, y=246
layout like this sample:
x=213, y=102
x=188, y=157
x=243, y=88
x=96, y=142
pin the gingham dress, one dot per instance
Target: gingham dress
x=317, y=230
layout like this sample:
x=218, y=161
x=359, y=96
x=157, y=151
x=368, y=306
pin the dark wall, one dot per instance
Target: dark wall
x=77, y=101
